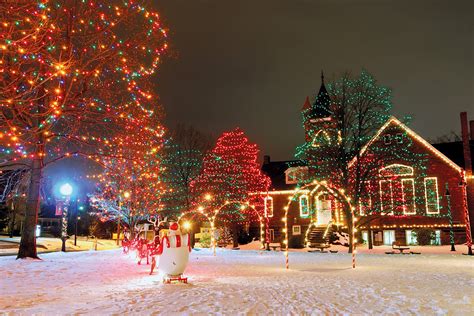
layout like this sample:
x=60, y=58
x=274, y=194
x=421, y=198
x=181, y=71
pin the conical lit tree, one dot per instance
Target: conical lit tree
x=231, y=173
x=73, y=75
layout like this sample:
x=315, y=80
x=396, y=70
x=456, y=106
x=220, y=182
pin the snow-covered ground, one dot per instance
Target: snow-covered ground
x=9, y=246
x=240, y=282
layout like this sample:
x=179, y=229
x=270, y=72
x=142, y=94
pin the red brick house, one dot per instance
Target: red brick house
x=403, y=198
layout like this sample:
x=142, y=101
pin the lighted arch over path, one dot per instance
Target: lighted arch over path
x=212, y=218
x=314, y=187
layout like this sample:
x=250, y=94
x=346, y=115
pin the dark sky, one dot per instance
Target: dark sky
x=251, y=63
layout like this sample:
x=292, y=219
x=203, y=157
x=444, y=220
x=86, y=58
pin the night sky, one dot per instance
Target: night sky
x=251, y=63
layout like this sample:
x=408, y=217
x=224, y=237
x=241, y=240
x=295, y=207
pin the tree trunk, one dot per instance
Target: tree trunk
x=12, y=221
x=235, y=235
x=28, y=238
x=369, y=237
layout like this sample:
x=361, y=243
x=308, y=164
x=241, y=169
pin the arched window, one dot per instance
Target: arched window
x=321, y=138
x=397, y=189
x=396, y=170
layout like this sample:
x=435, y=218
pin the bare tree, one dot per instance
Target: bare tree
x=183, y=158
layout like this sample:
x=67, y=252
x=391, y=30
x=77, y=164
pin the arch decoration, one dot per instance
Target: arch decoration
x=314, y=188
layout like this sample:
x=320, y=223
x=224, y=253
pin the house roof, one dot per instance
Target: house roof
x=320, y=108
x=394, y=121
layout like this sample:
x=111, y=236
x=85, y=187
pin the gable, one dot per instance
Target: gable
x=388, y=134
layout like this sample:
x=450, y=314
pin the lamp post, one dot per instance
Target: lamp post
x=450, y=216
x=126, y=195
x=66, y=191
x=80, y=208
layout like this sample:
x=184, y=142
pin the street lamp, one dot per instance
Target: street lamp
x=126, y=195
x=66, y=191
x=80, y=208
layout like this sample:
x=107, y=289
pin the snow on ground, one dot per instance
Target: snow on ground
x=9, y=246
x=240, y=282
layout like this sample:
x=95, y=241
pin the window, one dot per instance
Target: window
x=388, y=237
x=410, y=237
x=387, y=139
x=296, y=230
x=437, y=238
x=271, y=232
x=304, y=208
x=321, y=138
x=386, y=196
x=396, y=170
x=408, y=196
x=268, y=206
x=365, y=237
x=431, y=195
x=295, y=174
x=399, y=138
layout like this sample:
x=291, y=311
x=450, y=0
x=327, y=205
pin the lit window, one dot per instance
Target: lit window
x=321, y=139
x=386, y=197
x=399, y=138
x=431, y=195
x=268, y=206
x=387, y=139
x=295, y=174
x=396, y=170
x=408, y=196
x=304, y=208
x=436, y=238
x=410, y=237
x=296, y=230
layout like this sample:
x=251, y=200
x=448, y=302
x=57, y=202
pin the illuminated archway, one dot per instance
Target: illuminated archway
x=338, y=194
x=243, y=205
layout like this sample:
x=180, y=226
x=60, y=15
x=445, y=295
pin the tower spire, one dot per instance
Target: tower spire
x=322, y=77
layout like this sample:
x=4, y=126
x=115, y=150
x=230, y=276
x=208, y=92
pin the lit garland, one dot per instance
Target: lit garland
x=316, y=187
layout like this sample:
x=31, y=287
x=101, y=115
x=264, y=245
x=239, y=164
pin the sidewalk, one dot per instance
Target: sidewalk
x=9, y=246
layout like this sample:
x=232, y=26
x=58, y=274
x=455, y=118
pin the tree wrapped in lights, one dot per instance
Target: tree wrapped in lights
x=230, y=173
x=183, y=155
x=130, y=188
x=341, y=121
x=73, y=75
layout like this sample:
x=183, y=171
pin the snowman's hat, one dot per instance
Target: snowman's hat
x=174, y=228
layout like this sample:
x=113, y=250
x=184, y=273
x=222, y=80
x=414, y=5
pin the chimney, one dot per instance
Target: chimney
x=266, y=159
x=471, y=127
x=465, y=144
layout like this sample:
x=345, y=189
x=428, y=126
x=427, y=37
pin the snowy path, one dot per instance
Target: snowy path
x=240, y=282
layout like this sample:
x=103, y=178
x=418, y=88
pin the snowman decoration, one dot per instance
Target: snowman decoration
x=173, y=254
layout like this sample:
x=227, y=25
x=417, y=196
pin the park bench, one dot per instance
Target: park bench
x=397, y=246
x=320, y=247
x=275, y=245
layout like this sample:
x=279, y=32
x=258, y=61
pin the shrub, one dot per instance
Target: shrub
x=205, y=240
x=296, y=242
x=424, y=236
